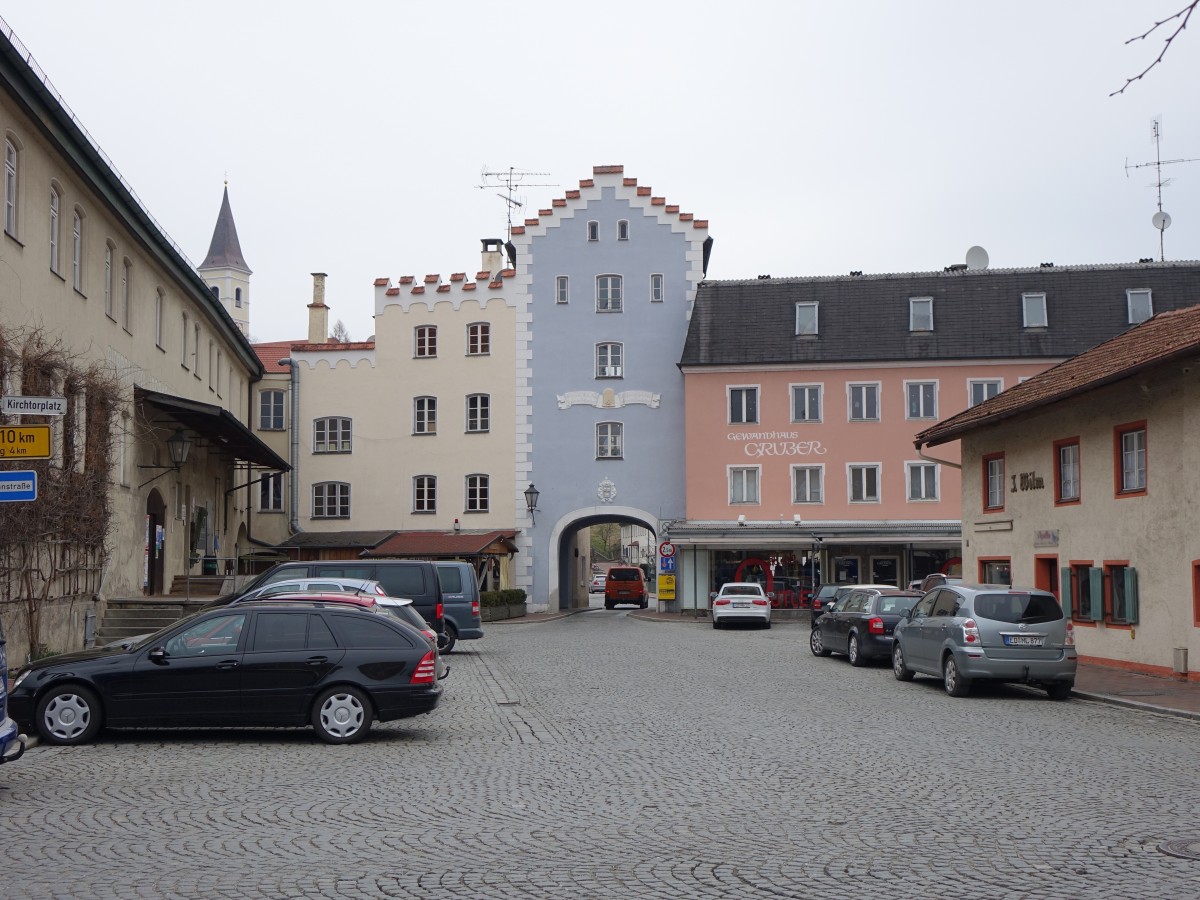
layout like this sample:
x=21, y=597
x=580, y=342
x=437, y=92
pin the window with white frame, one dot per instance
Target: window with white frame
x=922, y=399
x=922, y=481
x=425, y=341
x=211, y=349
x=864, y=483
x=270, y=410
x=270, y=493
x=479, y=339
x=425, y=494
x=657, y=291
x=608, y=360
x=126, y=287
x=593, y=231
x=1033, y=310
x=425, y=415
x=808, y=484
x=331, y=500
x=478, y=498
x=864, y=401
x=217, y=374
x=1066, y=480
x=108, y=279
x=743, y=484
x=10, y=187
x=1141, y=306
x=196, y=349
x=622, y=229
x=1133, y=458
x=332, y=434
x=562, y=288
x=77, y=251
x=806, y=403
x=743, y=405
x=608, y=293
x=479, y=413
x=993, y=481
x=183, y=360
x=983, y=389
x=609, y=444
x=806, y=318
x=160, y=303
x=55, y=224
x=920, y=314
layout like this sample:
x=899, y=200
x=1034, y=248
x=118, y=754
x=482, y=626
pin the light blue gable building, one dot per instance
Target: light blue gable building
x=607, y=277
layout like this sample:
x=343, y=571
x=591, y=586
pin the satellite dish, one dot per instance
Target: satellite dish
x=1161, y=220
x=977, y=258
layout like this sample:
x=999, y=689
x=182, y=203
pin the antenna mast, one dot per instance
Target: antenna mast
x=1160, y=219
x=509, y=180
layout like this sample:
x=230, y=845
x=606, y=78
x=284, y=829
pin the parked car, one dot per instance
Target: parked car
x=966, y=633
x=741, y=601
x=415, y=579
x=597, y=585
x=932, y=580
x=12, y=741
x=266, y=663
x=625, y=584
x=460, y=602
x=322, y=585
x=827, y=593
x=861, y=625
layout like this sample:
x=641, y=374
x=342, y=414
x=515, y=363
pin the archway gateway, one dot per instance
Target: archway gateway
x=570, y=568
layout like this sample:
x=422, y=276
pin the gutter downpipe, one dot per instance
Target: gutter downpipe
x=294, y=446
x=934, y=459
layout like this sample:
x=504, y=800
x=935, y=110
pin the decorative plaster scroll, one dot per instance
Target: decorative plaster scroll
x=609, y=399
x=606, y=491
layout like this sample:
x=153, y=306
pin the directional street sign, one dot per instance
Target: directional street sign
x=25, y=442
x=33, y=406
x=18, y=487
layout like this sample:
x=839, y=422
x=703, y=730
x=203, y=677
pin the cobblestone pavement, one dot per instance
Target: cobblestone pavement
x=599, y=756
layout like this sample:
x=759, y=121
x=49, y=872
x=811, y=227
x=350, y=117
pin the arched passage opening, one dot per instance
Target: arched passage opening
x=570, y=565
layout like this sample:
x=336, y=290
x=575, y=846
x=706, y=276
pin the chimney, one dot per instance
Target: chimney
x=318, y=312
x=492, y=255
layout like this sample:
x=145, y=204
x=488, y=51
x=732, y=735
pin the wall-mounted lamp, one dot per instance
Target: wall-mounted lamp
x=742, y=521
x=179, y=445
x=531, y=499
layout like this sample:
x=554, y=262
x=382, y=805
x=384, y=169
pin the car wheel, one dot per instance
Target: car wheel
x=816, y=644
x=342, y=715
x=956, y=685
x=854, y=651
x=643, y=604
x=610, y=606
x=69, y=715
x=1059, y=690
x=899, y=669
x=767, y=623
x=447, y=639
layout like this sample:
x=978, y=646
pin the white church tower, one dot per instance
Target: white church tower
x=225, y=270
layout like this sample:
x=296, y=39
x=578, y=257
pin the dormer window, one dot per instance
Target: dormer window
x=1033, y=310
x=1141, y=307
x=806, y=318
x=920, y=314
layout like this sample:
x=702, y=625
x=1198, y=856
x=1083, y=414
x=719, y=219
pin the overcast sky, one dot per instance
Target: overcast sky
x=816, y=138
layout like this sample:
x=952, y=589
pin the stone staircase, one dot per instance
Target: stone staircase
x=128, y=617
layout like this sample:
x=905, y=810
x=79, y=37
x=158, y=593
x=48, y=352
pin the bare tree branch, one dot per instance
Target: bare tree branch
x=1183, y=15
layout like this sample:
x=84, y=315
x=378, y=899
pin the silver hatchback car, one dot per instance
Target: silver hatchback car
x=964, y=633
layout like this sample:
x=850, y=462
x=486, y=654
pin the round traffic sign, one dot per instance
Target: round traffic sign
x=667, y=549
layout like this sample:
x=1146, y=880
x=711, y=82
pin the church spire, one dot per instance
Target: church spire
x=225, y=252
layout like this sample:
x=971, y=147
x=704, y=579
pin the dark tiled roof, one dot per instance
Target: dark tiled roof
x=1165, y=337
x=442, y=543
x=977, y=314
x=332, y=539
x=225, y=252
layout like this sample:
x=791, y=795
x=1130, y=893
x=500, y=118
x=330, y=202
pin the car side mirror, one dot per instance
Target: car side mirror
x=158, y=655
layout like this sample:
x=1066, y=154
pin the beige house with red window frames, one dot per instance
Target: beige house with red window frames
x=1083, y=481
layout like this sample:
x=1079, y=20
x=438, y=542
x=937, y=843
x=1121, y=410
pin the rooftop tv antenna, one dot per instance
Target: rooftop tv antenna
x=1160, y=220
x=510, y=180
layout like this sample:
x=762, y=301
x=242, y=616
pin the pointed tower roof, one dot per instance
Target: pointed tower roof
x=225, y=252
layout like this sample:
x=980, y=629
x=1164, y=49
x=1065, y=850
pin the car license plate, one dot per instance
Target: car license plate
x=742, y=605
x=1024, y=640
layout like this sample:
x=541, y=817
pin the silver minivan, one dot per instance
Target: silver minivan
x=965, y=633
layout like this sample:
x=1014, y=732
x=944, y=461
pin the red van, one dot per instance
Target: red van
x=625, y=584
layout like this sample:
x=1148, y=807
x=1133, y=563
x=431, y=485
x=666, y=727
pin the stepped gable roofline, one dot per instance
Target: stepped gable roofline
x=603, y=173
x=409, y=289
x=1163, y=338
x=225, y=252
x=865, y=319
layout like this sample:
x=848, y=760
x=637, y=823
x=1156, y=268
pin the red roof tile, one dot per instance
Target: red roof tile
x=1167, y=336
x=392, y=292
x=607, y=170
x=380, y=282
x=443, y=543
x=432, y=279
x=270, y=352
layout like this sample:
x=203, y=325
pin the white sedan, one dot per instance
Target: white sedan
x=741, y=602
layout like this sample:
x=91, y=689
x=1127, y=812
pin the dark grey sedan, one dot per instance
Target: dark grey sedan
x=861, y=625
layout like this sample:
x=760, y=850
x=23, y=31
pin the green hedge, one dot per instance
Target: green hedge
x=511, y=597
